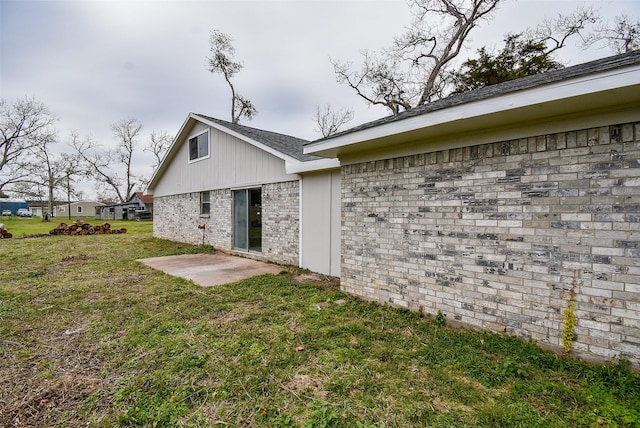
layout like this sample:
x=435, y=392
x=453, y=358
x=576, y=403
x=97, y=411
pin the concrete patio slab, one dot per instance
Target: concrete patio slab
x=211, y=269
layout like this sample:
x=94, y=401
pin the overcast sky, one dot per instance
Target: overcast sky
x=94, y=63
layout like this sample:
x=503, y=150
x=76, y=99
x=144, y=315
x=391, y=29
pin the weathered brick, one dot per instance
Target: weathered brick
x=501, y=242
x=279, y=219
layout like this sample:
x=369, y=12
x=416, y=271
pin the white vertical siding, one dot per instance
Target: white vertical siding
x=232, y=163
x=336, y=223
x=321, y=222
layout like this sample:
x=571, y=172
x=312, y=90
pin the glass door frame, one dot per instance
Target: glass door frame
x=247, y=219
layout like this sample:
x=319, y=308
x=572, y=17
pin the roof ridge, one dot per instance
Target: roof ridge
x=249, y=127
x=287, y=145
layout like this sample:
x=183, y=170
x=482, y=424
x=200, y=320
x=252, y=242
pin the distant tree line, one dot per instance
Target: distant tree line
x=33, y=166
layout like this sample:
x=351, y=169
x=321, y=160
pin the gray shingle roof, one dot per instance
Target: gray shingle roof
x=286, y=144
x=529, y=82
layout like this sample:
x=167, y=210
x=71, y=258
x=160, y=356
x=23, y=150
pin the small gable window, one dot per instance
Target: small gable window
x=199, y=146
x=79, y=209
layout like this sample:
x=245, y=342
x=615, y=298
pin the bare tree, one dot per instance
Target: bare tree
x=159, y=142
x=412, y=71
x=623, y=36
x=102, y=165
x=53, y=172
x=67, y=167
x=127, y=131
x=330, y=121
x=24, y=124
x=222, y=62
x=555, y=33
x=97, y=164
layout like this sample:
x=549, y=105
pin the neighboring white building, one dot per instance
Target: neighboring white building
x=79, y=209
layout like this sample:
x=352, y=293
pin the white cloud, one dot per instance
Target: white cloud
x=97, y=62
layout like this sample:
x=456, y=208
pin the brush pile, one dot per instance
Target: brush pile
x=4, y=233
x=79, y=227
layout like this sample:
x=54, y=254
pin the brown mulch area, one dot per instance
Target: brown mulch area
x=49, y=381
x=327, y=282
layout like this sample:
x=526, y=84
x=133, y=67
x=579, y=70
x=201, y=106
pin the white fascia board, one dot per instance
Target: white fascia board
x=246, y=139
x=168, y=156
x=591, y=83
x=311, y=166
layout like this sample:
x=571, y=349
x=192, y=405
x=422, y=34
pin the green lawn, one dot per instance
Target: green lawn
x=21, y=227
x=91, y=337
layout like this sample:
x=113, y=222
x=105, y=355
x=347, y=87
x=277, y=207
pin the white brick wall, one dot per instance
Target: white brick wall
x=177, y=218
x=496, y=235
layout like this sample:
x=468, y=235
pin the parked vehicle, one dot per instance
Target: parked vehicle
x=6, y=213
x=23, y=212
x=143, y=215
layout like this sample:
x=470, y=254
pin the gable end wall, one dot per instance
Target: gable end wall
x=500, y=236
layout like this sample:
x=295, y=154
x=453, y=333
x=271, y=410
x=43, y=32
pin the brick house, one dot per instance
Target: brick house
x=251, y=192
x=500, y=206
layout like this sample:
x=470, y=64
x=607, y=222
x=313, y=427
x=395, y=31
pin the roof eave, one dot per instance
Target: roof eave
x=173, y=149
x=168, y=156
x=552, y=97
x=312, y=166
x=244, y=138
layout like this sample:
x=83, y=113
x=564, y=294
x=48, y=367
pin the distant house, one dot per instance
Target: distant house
x=144, y=201
x=139, y=206
x=511, y=208
x=251, y=192
x=79, y=209
x=36, y=209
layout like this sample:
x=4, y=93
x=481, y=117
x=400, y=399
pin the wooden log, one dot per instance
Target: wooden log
x=79, y=227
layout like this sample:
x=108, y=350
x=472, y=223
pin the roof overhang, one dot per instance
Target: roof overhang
x=616, y=89
x=312, y=166
x=242, y=137
x=292, y=165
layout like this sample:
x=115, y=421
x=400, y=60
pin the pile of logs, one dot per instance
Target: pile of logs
x=79, y=227
x=4, y=233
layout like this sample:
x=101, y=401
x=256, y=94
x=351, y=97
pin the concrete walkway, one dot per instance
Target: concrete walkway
x=211, y=269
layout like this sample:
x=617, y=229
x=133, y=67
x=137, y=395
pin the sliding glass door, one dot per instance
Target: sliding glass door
x=247, y=219
x=240, y=217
